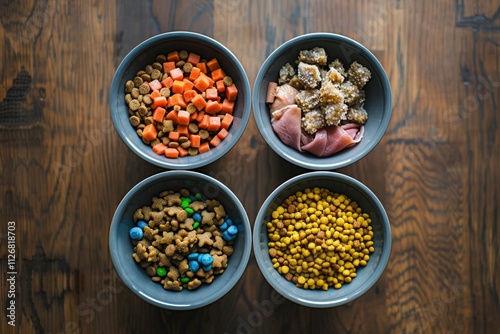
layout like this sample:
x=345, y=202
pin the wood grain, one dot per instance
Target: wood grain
x=63, y=169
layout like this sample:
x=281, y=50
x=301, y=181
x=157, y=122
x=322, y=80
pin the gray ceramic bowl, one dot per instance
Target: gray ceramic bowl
x=378, y=98
x=144, y=54
x=136, y=279
x=366, y=276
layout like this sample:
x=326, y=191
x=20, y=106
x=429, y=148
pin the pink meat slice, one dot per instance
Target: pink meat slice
x=286, y=124
x=332, y=139
x=284, y=96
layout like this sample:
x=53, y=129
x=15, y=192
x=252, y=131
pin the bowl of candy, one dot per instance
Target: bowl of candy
x=322, y=239
x=322, y=101
x=180, y=100
x=180, y=240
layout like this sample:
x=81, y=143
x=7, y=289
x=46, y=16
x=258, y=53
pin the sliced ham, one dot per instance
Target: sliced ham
x=286, y=124
x=284, y=96
x=325, y=142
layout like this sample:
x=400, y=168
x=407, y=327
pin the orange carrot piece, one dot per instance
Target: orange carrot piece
x=160, y=101
x=168, y=82
x=212, y=107
x=213, y=123
x=171, y=152
x=158, y=114
x=149, y=132
x=211, y=94
x=220, y=86
x=205, y=121
x=226, y=121
x=231, y=92
x=168, y=66
x=159, y=148
x=202, y=67
x=173, y=135
x=177, y=100
x=194, y=116
x=199, y=102
x=182, y=151
x=183, y=130
x=202, y=83
x=200, y=116
x=183, y=117
x=177, y=74
x=154, y=94
x=222, y=133
x=204, y=147
x=189, y=95
x=178, y=87
x=173, y=56
x=188, y=85
x=218, y=74
x=172, y=115
x=195, y=140
x=193, y=58
x=213, y=64
x=215, y=141
x=210, y=81
x=155, y=85
x=227, y=107
x=195, y=73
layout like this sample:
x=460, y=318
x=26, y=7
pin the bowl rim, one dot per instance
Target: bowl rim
x=178, y=163
x=304, y=163
x=386, y=249
x=133, y=285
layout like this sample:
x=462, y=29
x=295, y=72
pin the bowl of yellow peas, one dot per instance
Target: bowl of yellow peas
x=322, y=239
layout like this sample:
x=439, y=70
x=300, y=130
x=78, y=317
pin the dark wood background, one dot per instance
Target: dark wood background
x=64, y=169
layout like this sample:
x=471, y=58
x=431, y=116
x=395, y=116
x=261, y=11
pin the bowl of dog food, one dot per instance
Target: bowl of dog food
x=180, y=240
x=180, y=100
x=322, y=101
x=322, y=239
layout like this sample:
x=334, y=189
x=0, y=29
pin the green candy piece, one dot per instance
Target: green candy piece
x=196, y=224
x=160, y=271
x=184, y=279
x=189, y=211
x=185, y=203
x=198, y=196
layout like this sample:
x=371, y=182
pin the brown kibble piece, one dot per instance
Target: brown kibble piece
x=205, y=239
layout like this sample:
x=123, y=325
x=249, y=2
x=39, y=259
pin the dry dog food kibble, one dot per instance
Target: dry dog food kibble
x=318, y=239
x=182, y=240
x=181, y=104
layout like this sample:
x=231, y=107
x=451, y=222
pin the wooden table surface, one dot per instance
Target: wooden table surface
x=64, y=169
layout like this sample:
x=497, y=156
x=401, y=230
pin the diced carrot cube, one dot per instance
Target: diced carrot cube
x=158, y=114
x=213, y=64
x=211, y=94
x=177, y=74
x=155, y=85
x=213, y=123
x=193, y=58
x=171, y=152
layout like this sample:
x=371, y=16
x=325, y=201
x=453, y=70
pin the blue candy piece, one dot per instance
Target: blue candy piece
x=228, y=237
x=207, y=268
x=232, y=230
x=229, y=221
x=194, y=265
x=193, y=257
x=223, y=227
x=197, y=217
x=141, y=224
x=193, y=197
x=206, y=260
x=136, y=233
